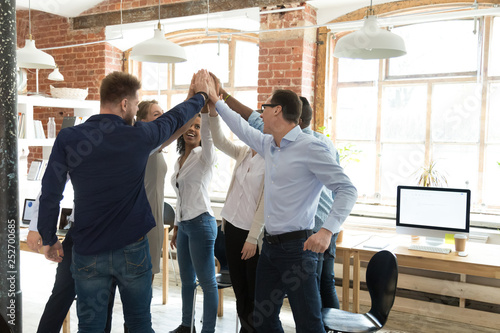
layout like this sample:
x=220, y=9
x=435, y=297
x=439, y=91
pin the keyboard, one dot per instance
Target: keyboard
x=429, y=248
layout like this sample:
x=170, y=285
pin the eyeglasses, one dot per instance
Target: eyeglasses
x=268, y=105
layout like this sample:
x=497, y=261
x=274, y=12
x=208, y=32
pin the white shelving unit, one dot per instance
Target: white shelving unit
x=26, y=105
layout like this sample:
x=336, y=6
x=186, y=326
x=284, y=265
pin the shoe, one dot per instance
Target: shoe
x=183, y=329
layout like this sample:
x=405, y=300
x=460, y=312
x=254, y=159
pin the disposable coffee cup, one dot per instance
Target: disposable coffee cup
x=460, y=241
x=340, y=236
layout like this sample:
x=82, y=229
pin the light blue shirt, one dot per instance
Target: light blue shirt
x=295, y=174
x=326, y=196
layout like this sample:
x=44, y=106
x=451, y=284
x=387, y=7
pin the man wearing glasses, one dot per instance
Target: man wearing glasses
x=297, y=167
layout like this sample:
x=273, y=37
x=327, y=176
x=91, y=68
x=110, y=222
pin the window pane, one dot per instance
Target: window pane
x=162, y=100
x=459, y=163
x=356, y=117
x=493, y=132
x=456, y=109
x=399, y=166
x=203, y=56
x=358, y=161
x=356, y=70
x=491, y=175
x=433, y=48
x=247, y=64
x=404, y=113
x=494, y=65
x=177, y=99
x=154, y=76
x=247, y=98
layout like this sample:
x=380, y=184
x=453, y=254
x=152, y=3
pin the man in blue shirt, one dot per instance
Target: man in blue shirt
x=106, y=159
x=326, y=261
x=297, y=167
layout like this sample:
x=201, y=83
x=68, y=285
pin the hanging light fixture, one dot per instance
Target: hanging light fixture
x=158, y=49
x=370, y=42
x=56, y=75
x=31, y=57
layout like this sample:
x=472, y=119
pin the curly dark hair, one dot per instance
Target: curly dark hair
x=181, y=144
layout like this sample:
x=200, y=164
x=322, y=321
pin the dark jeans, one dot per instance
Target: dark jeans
x=242, y=274
x=220, y=249
x=287, y=268
x=326, y=276
x=95, y=277
x=63, y=295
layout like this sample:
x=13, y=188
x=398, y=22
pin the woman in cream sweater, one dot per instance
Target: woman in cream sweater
x=242, y=219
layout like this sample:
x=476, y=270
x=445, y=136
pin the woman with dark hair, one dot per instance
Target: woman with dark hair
x=195, y=227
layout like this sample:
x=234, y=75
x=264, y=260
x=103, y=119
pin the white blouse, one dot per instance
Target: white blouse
x=191, y=183
x=241, y=203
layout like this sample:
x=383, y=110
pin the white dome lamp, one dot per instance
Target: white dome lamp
x=31, y=57
x=158, y=49
x=56, y=75
x=370, y=42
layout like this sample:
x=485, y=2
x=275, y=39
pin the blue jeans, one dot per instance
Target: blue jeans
x=94, y=277
x=63, y=294
x=329, y=298
x=195, y=252
x=287, y=268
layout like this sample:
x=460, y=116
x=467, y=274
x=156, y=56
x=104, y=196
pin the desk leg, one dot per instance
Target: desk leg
x=355, y=283
x=463, y=278
x=345, y=280
x=165, y=265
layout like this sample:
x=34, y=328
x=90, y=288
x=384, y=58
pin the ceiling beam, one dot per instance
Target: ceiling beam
x=179, y=9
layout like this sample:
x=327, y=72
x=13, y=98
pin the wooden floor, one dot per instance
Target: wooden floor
x=37, y=277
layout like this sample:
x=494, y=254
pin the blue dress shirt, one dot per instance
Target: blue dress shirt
x=326, y=197
x=106, y=160
x=295, y=174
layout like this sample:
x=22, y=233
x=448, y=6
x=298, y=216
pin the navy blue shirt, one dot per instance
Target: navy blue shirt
x=106, y=160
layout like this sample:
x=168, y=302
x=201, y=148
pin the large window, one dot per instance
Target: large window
x=233, y=60
x=439, y=103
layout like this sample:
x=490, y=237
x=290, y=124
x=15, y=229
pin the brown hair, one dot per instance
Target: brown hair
x=144, y=108
x=291, y=105
x=117, y=86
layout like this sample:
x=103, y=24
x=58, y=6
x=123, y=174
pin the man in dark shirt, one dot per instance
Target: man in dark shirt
x=106, y=159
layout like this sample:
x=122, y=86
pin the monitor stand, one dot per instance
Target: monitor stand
x=434, y=241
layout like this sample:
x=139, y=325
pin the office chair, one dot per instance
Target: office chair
x=223, y=281
x=169, y=219
x=381, y=280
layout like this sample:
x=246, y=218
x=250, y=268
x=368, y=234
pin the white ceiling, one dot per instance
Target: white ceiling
x=328, y=9
x=127, y=35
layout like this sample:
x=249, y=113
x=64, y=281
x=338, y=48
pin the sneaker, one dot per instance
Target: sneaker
x=183, y=329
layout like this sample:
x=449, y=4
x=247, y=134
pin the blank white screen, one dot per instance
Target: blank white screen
x=442, y=209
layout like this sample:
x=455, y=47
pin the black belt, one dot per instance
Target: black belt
x=286, y=237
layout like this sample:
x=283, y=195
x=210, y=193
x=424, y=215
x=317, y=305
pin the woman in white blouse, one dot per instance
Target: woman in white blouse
x=195, y=227
x=242, y=220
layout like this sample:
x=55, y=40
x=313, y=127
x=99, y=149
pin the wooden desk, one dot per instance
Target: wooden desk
x=483, y=260
x=343, y=250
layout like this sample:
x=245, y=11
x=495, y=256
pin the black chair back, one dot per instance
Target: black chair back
x=168, y=215
x=382, y=280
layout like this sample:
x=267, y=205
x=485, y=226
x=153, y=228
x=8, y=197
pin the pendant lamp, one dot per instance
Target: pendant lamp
x=56, y=75
x=158, y=48
x=370, y=42
x=31, y=57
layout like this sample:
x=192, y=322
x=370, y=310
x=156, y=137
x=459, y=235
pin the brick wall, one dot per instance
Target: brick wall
x=113, y=5
x=82, y=66
x=287, y=58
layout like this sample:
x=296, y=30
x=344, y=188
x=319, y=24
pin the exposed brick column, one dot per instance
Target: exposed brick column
x=287, y=58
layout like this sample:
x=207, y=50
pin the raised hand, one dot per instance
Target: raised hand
x=201, y=81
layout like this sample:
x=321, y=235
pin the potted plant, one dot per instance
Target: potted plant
x=430, y=176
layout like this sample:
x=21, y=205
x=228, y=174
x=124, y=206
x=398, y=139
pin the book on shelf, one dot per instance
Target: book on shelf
x=42, y=169
x=37, y=169
x=20, y=125
x=34, y=169
x=39, y=132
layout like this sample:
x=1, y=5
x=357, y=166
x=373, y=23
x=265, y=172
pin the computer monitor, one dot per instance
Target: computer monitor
x=432, y=212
